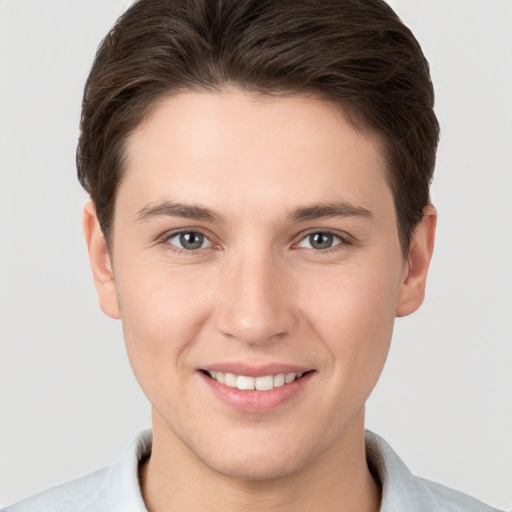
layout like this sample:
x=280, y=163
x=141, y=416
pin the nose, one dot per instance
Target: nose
x=256, y=300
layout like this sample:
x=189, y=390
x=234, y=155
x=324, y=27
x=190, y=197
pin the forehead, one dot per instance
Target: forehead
x=206, y=147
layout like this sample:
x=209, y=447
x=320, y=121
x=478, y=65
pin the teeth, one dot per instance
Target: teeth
x=230, y=380
x=264, y=383
x=244, y=382
x=279, y=380
x=290, y=377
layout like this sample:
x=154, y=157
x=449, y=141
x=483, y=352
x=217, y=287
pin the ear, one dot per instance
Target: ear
x=100, y=262
x=412, y=291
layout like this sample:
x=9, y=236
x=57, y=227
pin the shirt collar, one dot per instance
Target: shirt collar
x=123, y=475
x=401, y=491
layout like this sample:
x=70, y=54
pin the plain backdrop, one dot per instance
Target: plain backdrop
x=68, y=400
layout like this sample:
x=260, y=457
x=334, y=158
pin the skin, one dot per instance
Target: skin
x=257, y=291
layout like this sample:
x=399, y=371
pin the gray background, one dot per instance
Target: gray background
x=68, y=401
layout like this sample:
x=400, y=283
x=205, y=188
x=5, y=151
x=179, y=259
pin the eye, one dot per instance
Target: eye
x=189, y=240
x=320, y=241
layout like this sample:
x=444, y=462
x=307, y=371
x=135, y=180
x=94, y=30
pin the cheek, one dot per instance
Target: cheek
x=353, y=313
x=353, y=300
x=163, y=311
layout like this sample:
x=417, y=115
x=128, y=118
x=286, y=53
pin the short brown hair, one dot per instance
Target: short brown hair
x=355, y=53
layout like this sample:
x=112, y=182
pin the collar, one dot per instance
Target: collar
x=123, y=475
x=401, y=490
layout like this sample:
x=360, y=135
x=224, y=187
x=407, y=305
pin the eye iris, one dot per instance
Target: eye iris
x=191, y=240
x=321, y=240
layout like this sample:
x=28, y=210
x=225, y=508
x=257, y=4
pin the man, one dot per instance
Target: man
x=259, y=178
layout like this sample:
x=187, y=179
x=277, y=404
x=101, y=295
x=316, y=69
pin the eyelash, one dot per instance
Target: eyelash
x=166, y=240
x=343, y=240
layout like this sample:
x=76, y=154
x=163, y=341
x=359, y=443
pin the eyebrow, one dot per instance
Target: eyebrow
x=171, y=209
x=317, y=211
x=196, y=212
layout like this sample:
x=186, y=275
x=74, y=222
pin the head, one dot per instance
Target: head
x=259, y=174
x=356, y=54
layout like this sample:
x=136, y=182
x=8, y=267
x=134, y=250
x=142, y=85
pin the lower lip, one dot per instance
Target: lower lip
x=254, y=401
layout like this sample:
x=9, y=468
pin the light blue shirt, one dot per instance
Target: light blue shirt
x=116, y=488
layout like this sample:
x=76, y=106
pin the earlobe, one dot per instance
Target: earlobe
x=412, y=291
x=100, y=262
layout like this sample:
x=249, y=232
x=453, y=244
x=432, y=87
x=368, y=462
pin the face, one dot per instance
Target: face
x=255, y=246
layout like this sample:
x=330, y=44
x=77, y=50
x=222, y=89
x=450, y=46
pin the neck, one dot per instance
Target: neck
x=174, y=479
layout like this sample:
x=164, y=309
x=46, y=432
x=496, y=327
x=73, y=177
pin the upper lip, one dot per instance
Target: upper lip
x=252, y=370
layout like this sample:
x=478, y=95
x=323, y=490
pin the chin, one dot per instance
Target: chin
x=255, y=468
x=256, y=460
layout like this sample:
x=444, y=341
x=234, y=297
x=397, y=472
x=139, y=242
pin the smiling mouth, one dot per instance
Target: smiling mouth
x=247, y=383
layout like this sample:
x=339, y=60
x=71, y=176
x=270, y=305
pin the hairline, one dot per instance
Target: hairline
x=344, y=108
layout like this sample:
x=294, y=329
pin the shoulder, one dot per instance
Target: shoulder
x=111, y=489
x=85, y=494
x=404, y=492
x=450, y=500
